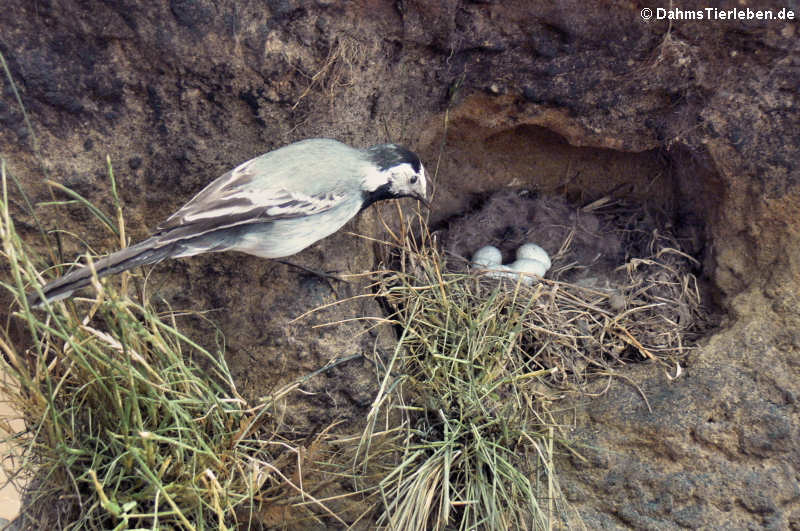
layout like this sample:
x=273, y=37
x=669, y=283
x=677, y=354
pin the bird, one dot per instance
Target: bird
x=272, y=206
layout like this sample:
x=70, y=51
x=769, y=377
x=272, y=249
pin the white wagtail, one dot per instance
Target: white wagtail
x=272, y=206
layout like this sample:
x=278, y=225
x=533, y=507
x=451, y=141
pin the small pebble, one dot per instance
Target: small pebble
x=617, y=302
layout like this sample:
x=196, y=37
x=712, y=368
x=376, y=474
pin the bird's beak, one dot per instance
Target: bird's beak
x=422, y=196
x=422, y=199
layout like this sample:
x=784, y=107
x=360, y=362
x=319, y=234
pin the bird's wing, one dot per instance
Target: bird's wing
x=239, y=197
x=298, y=180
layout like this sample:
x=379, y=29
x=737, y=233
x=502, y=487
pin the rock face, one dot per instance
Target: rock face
x=697, y=117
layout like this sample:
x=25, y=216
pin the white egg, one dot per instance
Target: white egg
x=531, y=251
x=501, y=271
x=487, y=256
x=534, y=267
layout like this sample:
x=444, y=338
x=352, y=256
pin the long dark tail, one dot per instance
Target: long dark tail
x=143, y=253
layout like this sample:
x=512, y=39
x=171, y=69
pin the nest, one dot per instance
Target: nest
x=620, y=290
x=481, y=360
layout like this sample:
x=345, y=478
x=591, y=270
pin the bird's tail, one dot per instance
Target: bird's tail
x=143, y=253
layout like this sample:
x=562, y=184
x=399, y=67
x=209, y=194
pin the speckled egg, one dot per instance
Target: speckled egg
x=533, y=267
x=531, y=251
x=487, y=256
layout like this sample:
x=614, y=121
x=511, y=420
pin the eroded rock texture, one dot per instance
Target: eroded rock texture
x=699, y=118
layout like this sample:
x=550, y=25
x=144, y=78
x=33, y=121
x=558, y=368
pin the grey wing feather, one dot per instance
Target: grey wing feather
x=291, y=182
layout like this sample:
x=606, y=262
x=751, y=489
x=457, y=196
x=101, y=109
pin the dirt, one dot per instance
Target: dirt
x=696, y=118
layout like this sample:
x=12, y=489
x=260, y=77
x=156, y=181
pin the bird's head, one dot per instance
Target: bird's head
x=396, y=172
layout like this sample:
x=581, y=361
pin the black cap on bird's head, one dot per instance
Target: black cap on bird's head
x=386, y=156
x=399, y=174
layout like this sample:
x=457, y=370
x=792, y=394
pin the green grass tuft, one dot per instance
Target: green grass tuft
x=124, y=430
x=472, y=442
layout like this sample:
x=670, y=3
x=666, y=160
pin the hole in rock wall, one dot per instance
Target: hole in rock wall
x=627, y=234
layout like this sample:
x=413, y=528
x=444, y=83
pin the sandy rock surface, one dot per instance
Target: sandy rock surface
x=696, y=118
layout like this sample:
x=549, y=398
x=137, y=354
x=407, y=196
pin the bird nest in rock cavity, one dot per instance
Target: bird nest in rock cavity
x=467, y=394
x=622, y=288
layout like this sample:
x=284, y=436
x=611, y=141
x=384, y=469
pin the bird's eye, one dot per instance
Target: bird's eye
x=414, y=179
